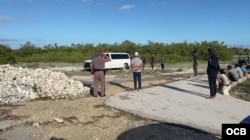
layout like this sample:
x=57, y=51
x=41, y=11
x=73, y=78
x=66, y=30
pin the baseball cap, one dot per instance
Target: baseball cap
x=136, y=54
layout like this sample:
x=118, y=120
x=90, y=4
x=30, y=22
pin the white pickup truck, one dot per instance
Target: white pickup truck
x=117, y=61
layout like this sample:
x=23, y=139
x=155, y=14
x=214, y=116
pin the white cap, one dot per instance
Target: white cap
x=136, y=54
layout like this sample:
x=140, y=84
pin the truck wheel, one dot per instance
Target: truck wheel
x=125, y=66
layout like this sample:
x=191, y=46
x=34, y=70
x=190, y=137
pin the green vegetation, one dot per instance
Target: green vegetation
x=34, y=87
x=6, y=55
x=178, y=55
x=241, y=91
x=77, y=53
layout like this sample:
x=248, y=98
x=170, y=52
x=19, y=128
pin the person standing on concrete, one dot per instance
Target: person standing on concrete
x=195, y=63
x=213, y=69
x=137, y=65
x=97, y=67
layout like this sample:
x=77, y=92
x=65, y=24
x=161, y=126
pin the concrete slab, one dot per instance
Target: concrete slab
x=183, y=102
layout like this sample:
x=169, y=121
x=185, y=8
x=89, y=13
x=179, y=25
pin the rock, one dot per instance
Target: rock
x=32, y=96
x=36, y=124
x=58, y=120
x=23, y=84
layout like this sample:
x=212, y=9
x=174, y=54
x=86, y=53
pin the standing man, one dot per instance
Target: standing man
x=97, y=67
x=152, y=62
x=137, y=65
x=163, y=60
x=195, y=63
x=143, y=61
x=213, y=69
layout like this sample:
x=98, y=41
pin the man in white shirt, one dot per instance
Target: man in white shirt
x=137, y=65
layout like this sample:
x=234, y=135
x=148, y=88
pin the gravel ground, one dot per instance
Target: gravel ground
x=89, y=119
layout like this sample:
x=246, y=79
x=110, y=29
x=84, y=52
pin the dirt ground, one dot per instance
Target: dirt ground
x=88, y=118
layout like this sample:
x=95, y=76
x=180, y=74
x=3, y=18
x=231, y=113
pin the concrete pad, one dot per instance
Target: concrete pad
x=183, y=102
x=24, y=133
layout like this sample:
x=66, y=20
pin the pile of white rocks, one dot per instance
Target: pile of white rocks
x=23, y=84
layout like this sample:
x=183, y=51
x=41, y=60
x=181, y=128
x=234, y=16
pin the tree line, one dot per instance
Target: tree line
x=77, y=53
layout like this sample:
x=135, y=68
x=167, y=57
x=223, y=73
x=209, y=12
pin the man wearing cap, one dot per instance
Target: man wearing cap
x=137, y=65
x=213, y=69
x=97, y=67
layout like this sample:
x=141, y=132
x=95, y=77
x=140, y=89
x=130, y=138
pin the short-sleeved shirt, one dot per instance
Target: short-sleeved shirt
x=163, y=60
x=99, y=62
x=239, y=71
x=136, y=62
x=244, y=69
x=233, y=75
x=195, y=58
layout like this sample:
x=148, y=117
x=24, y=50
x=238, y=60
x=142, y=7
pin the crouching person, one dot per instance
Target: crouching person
x=224, y=83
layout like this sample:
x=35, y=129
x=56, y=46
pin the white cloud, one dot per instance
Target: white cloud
x=21, y=1
x=6, y=39
x=9, y=19
x=126, y=7
x=6, y=19
x=99, y=4
x=87, y=0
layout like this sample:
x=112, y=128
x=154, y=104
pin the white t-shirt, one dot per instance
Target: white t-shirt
x=136, y=62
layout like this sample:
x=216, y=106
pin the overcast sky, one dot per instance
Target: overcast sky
x=64, y=22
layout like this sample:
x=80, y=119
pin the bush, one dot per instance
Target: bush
x=6, y=55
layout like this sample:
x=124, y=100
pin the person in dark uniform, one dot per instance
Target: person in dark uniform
x=195, y=63
x=97, y=67
x=213, y=69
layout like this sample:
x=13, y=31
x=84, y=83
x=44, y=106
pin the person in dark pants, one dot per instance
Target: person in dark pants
x=137, y=65
x=152, y=62
x=97, y=67
x=213, y=69
x=143, y=61
x=163, y=61
x=195, y=63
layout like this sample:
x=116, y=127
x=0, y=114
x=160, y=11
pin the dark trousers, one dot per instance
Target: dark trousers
x=162, y=67
x=195, y=66
x=137, y=78
x=152, y=66
x=212, y=85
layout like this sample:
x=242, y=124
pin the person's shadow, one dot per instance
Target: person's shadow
x=54, y=138
x=164, y=131
x=121, y=86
